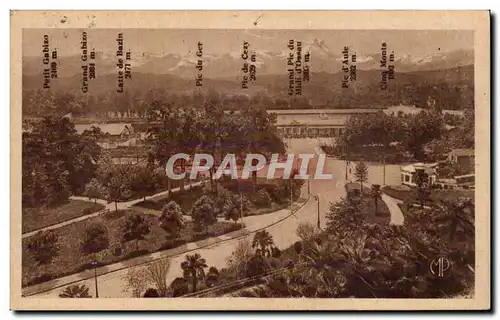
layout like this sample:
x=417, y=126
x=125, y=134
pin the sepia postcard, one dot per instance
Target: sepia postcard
x=250, y=160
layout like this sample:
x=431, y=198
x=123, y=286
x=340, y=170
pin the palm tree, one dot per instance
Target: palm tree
x=459, y=213
x=194, y=267
x=75, y=291
x=263, y=243
x=376, y=194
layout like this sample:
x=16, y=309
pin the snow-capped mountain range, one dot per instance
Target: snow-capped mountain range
x=228, y=65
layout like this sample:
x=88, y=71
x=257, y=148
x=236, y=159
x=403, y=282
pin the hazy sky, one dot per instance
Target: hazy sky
x=163, y=41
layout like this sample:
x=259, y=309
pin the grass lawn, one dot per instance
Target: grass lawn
x=37, y=218
x=70, y=260
x=381, y=215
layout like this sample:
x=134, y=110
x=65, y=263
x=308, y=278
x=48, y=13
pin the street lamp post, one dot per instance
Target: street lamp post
x=94, y=264
x=317, y=199
x=241, y=208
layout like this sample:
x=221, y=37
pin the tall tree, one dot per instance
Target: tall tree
x=345, y=216
x=376, y=195
x=194, y=268
x=203, y=213
x=56, y=161
x=423, y=187
x=237, y=208
x=142, y=182
x=458, y=214
x=135, y=228
x=421, y=129
x=95, y=239
x=171, y=219
x=361, y=174
x=44, y=246
x=118, y=188
x=95, y=190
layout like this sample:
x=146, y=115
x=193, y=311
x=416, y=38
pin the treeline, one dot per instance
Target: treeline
x=422, y=135
x=324, y=91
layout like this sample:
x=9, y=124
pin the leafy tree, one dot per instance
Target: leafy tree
x=367, y=129
x=171, y=219
x=421, y=129
x=118, y=188
x=458, y=214
x=212, y=278
x=376, y=195
x=223, y=199
x=203, y=213
x=239, y=206
x=361, y=174
x=142, y=182
x=75, y=291
x=44, y=246
x=262, y=198
x=263, y=243
x=135, y=228
x=307, y=231
x=94, y=190
x=96, y=239
x=56, y=161
x=255, y=266
x=194, y=267
x=345, y=216
x=179, y=287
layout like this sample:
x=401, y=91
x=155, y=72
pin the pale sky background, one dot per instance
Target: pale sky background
x=184, y=41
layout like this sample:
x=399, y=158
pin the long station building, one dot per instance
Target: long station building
x=301, y=123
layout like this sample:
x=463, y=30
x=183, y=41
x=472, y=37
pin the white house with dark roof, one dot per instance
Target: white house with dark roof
x=409, y=173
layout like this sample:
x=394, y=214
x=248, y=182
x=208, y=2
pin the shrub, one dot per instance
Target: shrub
x=261, y=199
x=75, y=291
x=117, y=251
x=179, y=287
x=255, y=266
x=306, y=231
x=275, y=252
x=151, y=293
x=172, y=243
x=297, y=246
x=95, y=239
